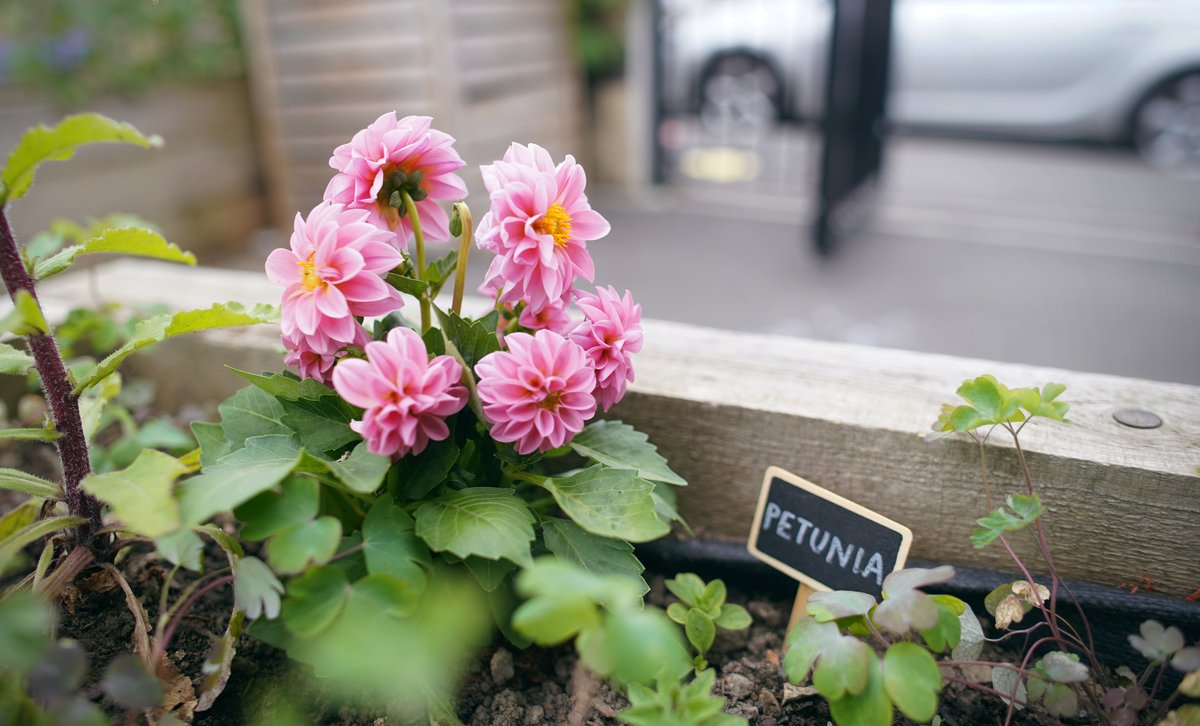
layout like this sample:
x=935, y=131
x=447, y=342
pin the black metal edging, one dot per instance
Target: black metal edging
x=1113, y=612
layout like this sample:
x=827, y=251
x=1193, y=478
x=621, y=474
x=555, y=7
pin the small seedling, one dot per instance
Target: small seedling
x=702, y=610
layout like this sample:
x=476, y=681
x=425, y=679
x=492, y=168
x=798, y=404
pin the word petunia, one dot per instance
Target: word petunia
x=405, y=397
x=538, y=227
x=538, y=394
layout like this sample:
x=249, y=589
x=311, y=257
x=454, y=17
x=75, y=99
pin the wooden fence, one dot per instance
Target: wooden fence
x=488, y=71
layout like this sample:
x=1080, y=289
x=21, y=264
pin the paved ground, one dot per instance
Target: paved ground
x=1069, y=257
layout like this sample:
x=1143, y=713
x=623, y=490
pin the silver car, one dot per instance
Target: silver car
x=1115, y=71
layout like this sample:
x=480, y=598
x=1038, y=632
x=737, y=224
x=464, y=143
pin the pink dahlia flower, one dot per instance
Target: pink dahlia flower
x=611, y=332
x=367, y=164
x=405, y=396
x=314, y=356
x=331, y=274
x=537, y=394
x=552, y=317
x=538, y=225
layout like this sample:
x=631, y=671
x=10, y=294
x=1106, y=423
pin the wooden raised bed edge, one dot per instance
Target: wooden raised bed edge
x=1122, y=503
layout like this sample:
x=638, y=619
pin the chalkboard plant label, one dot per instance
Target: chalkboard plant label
x=824, y=540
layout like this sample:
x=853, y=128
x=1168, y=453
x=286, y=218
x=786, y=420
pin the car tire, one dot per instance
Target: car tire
x=1166, y=125
x=739, y=94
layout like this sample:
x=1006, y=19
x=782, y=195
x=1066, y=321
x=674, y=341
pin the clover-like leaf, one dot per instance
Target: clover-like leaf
x=1025, y=509
x=826, y=606
x=1063, y=667
x=805, y=642
x=1156, y=642
x=870, y=707
x=391, y=545
x=635, y=646
x=912, y=680
x=314, y=600
x=256, y=590
x=298, y=501
x=904, y=607
x=946, y=633
x=843, y=668
x=989, y=403
x=299, y=545
x=1186, y=659
x=1041, y=402
x=1061, y=700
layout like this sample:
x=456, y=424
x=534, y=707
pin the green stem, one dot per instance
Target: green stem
x=410, y=208
x=464, y=249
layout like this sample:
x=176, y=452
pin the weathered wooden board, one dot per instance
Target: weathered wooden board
x=1123, y=503
x=488, y=72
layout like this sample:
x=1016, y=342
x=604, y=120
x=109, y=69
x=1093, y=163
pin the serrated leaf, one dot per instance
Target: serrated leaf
x=14, y=361
x=594, y=554
x=1025, y=509
x=259, y=466
x=40, y=144
x=256, y=590
x=391, y=546
x=19, y=481
x=621, y=446
x=322, y=425
x=296, y=547
x=361, y=471
x=314, y=600
x=210, y=437
x=298, y=501
x=826, y=606
x=419, y=475
x=489, y=573
x=912, y=680
x=134, y=241
x=609, y=502
x=471, y=338
x=141, y=495
x=485, y=522
x=163, y=327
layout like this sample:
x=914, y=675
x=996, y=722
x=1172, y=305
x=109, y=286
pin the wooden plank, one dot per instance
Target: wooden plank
x=1122, y=503
x=337, y=89
x=346, y=22
x=516, y=48
x=359, y=53
x=302, y=13
x=261, y=71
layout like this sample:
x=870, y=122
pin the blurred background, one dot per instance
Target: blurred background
x=1014, y=180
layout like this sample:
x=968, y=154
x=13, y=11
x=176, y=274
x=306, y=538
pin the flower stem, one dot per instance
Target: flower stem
x=410, y=209
x=72, y=446
x=464, y=249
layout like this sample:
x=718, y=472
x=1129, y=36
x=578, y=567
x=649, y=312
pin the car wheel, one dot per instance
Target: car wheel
x=1166, y=128
x=739, y=94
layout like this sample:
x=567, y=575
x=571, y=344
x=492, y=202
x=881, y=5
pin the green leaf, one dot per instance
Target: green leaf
x=141, y=495
x=871, y=707
x=238, y=477
x=904, y=607
x=552, y=577
x=322, y=425
x=183, y=548
x=314, y=600
x=19, y=481
x=163, y=327
x=407, y=285
x=256, y=590
x=1063, y=667
x=14, y=361
x=471, y=338
x=843, y=669
x=635, y=646
x=29, y=434
x=361, y=471
x=391, y=546
x=678, y=612
x=1025, y=509
x=128, y=684
x=946, y=633
x=20, y=516
x=298, y=501
x=211, y=439
x=123, y=240
x=1006, y=682
x=26, y=316
x=482, y=521
x=990, y=403
x=1041, y=402
x=688, y=587
x=40, y=144
x=550, y=621
x=733, y=617
x=1061, y=700
x=24, y=624
x=489, y=573
x=700, y=630
x=594, y=554
x=912, y=680
x=713, y=597
x=826, y=606
x=621, y=446
x=805, y=642
x=419, y=475
x=15, y=542
x=609, y=502
x=294, y=548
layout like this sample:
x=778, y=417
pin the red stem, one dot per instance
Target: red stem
x=72, y=446
x=164, y=639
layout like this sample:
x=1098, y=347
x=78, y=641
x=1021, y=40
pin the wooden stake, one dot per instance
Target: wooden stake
x=798, y=606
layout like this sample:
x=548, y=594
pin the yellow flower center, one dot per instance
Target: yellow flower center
x=308, y=274
x=550, y=402
x=556, y=223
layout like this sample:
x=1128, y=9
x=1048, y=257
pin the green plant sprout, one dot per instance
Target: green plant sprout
x=702, y=610
x=1059, y=671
